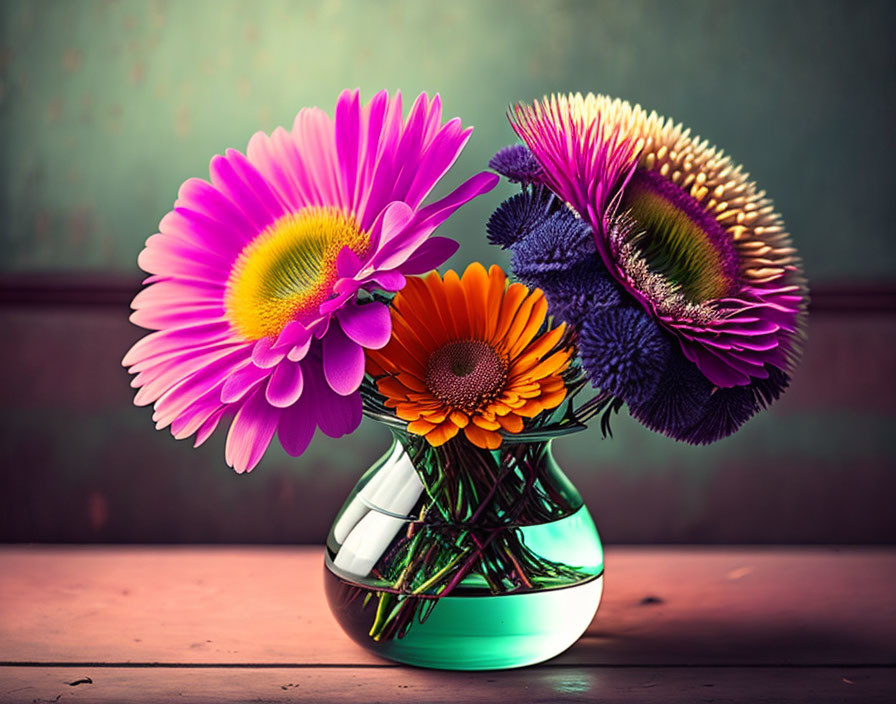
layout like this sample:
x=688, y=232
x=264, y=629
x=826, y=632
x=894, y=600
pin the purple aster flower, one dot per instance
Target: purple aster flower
x=624, y=352
x=578, y=291
x=516, y=164
x=517, y=216
x=558, y=242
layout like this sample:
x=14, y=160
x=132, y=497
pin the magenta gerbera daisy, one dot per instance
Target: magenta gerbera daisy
x=258, y=284
x=718, y=300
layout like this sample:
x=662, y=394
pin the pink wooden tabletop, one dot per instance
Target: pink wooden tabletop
x=209, y=624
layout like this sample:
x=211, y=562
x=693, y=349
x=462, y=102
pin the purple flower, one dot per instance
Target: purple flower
x=689, y=242
x=516, y=164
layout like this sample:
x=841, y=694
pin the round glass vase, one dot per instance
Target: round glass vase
x=462, y=558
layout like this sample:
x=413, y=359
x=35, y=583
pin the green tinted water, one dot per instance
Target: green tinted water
x=473, y=630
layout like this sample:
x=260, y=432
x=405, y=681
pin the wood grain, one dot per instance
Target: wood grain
x=542, y=685
x=203, y=605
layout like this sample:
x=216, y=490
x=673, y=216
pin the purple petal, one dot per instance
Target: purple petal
x=337, y=415
x=368, y=324
x=250, y=433
x=285, y=386
x=343, y=362
x=296, y=426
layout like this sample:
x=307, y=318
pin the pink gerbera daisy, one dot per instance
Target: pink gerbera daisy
x=255, y=276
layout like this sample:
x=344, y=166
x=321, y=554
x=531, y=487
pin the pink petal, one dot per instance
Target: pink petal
x=250, y=433
x=242, y=382
x=392, y=221
x=348, y=142
x=347, y=263
x=401, y=247
x=387, y=280
x=235, y=177
x=208, y=427
x=343, y=362
x=430, y=255
x=440, y=155
x=265, y=355
x=285, y=386
x=368, y=324
x=298, y=352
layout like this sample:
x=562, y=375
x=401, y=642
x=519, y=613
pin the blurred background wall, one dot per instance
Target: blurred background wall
x=106, y=107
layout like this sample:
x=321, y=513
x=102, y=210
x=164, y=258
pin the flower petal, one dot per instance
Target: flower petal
x=285, y=386
x=343, y=362
x=368, y=324
x=250, y=433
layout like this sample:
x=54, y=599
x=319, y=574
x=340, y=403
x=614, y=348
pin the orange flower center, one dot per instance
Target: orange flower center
x=465, y=374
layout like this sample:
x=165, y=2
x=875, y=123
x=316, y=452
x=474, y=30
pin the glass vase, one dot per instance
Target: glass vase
x=462, y=558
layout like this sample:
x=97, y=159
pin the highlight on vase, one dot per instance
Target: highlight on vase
x=259, y=284
x=686, y=295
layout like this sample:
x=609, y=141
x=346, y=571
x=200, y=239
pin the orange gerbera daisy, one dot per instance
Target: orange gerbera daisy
x=464, y=355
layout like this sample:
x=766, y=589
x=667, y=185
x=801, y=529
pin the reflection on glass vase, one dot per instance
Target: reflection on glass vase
x=461, y=558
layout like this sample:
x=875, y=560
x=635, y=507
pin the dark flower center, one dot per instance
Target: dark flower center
x=465, y=374
x=681, y=241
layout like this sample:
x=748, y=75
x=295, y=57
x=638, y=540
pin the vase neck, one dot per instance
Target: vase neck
x=518, y=483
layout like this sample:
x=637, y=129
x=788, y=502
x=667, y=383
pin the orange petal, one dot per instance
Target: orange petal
x=482, y=438
x=531, y=409
x=514, y=295
x=390, y=386
x=546, y=367
x=499, y=408
x=421, y=427
x=527, y=322
x=436, y=415
x=475, y=283
x=497, y=284
x=511, y=423
x=412, y=382
x=485, y=423
x=407, y=412
x=442, y=434
x=554, y=398
x=457, y=305
x=460, y=419
x=541, y=346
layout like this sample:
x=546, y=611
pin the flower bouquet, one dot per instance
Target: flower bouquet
x=296, y=290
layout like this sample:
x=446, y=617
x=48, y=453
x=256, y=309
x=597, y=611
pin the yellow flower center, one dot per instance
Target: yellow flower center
x=289, y=270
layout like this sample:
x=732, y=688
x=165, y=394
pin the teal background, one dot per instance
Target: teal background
x=106, y=107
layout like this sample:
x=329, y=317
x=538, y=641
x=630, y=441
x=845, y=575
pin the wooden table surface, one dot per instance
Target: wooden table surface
x=210, y=624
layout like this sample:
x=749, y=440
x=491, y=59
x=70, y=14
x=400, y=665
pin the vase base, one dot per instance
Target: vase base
x=474, y=632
